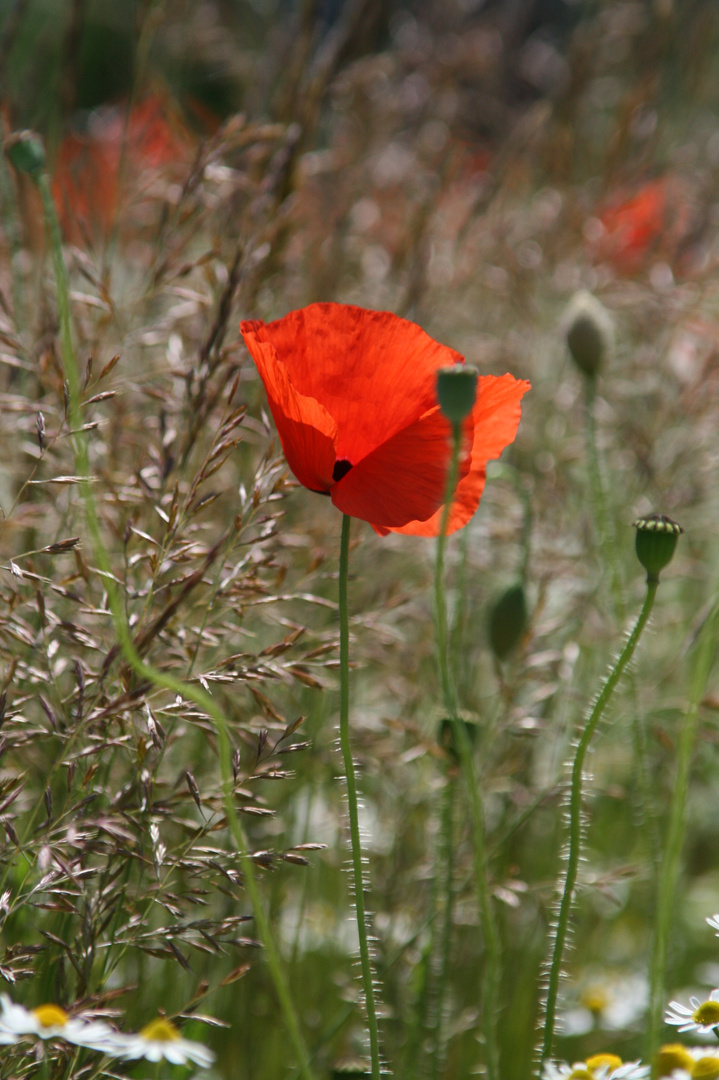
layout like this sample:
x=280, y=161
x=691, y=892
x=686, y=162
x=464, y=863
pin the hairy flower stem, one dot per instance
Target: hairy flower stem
x=608, y=549
x=490, y=934
x=352, y=800
x=575, y=819
x=141, y=668
x=669, y=871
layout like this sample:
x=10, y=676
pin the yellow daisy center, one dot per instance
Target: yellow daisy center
x=706, y=1067
x=595, y=1000
x=673, y=1056
x=603, y=1061
x=160, y=1030
x=707, y=1013
x=50, y=1016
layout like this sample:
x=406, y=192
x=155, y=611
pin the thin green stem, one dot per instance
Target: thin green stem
x=449, y=695
x=457, y=633
x=142, y=669
x=490, y=934
x=670, y=867
x=10, y=218
x=446, y=856
x=346, y=1011
x=419, y=1022
x=575, y=819
x=352, y=800
x=603, y=519
x=608, y=549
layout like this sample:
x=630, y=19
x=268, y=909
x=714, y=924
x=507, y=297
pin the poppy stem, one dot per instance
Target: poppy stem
x=669, y=871
x=445, y=857
x=359, y=883
x=490, y=934
x=143, y=670
x=575, y=821
x=606, y=530
x=608, y=549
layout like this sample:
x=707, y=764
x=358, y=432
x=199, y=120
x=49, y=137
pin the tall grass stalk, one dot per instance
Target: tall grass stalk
x=141, y=668
x=356, y=842
x=490, y=934
x=670, y=867
x=575, y=819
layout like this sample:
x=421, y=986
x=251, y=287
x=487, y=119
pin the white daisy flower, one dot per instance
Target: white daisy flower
x=713, y=921
x=676, y=1062
x=703, y=1017
x=597, y=1067
x=705, y=1067
x=51, y=1022
x=611, y=1000
x=161, y=1039
x=674, y=1059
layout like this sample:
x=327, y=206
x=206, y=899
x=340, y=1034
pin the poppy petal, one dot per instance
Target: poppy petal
x=307, y=431
x=373, y=371
x=496, y=417
x=403, y=480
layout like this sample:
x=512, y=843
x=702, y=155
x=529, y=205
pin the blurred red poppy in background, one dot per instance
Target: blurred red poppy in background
x=86, y=182
x=353, y=395
x=643, y=226
x=633, y=226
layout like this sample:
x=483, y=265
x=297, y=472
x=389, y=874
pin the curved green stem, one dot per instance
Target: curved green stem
x=675, y=835
x=352, y=800
x=490, y=934
x=141, y=668
x=608, y=548
x=575, y=819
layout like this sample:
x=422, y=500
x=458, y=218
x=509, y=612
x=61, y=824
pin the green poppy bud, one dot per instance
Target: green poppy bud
x=25, y=151
x=657, y=537
x=457, y=391
x=588, y=330
x=508, y=620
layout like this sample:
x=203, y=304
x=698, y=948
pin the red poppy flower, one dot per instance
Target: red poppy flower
x=632, y=226
x=86, y=181
x=353, y=395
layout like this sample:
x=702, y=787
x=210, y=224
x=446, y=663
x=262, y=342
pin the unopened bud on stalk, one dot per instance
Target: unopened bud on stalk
x=457, y=391
x=657, y=537
x=26, y=152
x=589, y=332
x=507, y=620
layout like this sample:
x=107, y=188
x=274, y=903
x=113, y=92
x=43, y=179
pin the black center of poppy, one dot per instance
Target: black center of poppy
x=342, y=467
